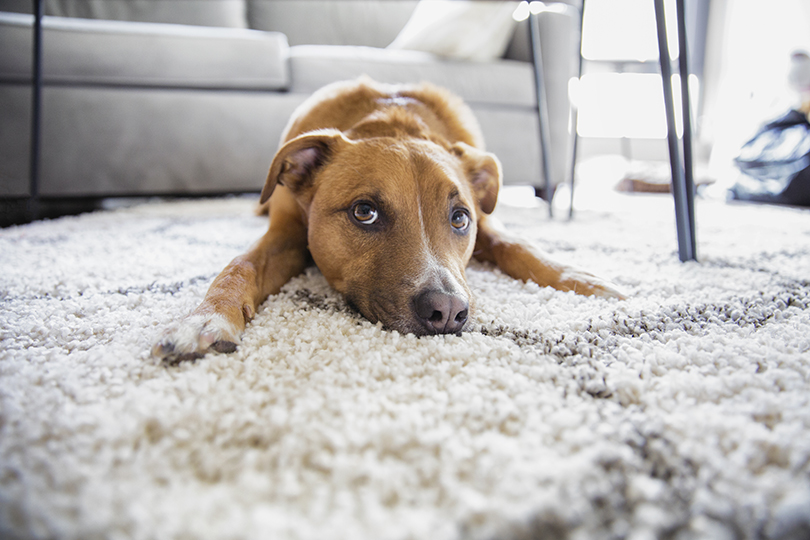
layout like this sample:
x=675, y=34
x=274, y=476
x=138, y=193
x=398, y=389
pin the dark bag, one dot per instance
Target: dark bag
x=776, y=163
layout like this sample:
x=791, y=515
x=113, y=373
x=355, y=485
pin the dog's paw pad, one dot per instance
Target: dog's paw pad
x=194, y=336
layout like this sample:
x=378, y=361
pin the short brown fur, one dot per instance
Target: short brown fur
x=389, y=190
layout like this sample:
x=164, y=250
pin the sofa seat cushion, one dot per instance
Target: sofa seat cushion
x=501, y=82
x=98, y=52
x=332, y=22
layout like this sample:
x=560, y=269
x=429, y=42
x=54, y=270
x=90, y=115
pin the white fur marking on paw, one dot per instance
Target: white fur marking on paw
x=196, y=334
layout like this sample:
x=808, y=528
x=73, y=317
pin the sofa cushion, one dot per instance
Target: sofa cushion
x=83, y=51
x=502, y=82
x=331, y=22
x=104, y=141
x=228, y=13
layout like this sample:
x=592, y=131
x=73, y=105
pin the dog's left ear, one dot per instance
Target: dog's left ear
x=483, y=170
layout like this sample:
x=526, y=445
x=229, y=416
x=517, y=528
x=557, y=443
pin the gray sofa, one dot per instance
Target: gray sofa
x=150, y=97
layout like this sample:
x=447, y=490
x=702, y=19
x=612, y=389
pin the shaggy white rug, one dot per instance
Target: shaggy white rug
x=683, y=412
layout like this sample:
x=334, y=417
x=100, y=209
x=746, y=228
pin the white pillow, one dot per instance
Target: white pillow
x=463, y=30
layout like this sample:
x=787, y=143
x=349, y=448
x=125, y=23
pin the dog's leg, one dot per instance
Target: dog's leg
x=521, y=260
x=236, y=293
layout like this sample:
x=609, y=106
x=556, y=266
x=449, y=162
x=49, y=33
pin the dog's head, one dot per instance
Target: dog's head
x=391, y=222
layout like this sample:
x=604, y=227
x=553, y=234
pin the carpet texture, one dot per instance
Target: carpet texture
x=682, y=412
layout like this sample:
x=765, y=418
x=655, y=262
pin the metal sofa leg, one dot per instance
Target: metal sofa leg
x=32, y=205
x=546, y=191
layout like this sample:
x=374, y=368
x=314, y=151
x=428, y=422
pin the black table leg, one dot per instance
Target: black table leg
x=688, y=163
x=36, y=113
x=682, y=183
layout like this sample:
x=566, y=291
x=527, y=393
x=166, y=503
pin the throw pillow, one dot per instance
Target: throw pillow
x=461, y=30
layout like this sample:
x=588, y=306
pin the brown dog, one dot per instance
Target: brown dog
x=388, y=190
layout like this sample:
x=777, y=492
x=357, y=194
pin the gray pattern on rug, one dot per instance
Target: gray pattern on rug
x=682, y=412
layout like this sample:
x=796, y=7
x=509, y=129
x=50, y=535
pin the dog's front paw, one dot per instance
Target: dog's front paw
x=196, y=335
x=606, y=289
x=587, y=284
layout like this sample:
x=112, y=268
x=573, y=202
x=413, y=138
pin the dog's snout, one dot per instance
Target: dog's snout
x=440, y=312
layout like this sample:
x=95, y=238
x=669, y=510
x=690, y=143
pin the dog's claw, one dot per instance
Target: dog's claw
x=162, y=349
x=187, y=357
x=224, y=346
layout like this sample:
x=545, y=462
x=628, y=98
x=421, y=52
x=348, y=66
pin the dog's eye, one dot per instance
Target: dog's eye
x=460, y=220
x=364, y=213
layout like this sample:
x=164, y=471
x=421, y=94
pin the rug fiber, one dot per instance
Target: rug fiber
x=682, y=412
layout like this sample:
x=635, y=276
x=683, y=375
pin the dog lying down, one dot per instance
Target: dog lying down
x=389, y=191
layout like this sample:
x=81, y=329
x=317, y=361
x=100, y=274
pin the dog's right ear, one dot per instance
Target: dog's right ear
x=298, y=160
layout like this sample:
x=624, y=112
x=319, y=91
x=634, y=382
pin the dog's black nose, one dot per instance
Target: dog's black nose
x=440, y=312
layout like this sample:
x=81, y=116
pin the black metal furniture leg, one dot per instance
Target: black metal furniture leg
x=575, y=114
x=33, y=210
x=688, y=162
x=542, y=108
x=683, y=194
